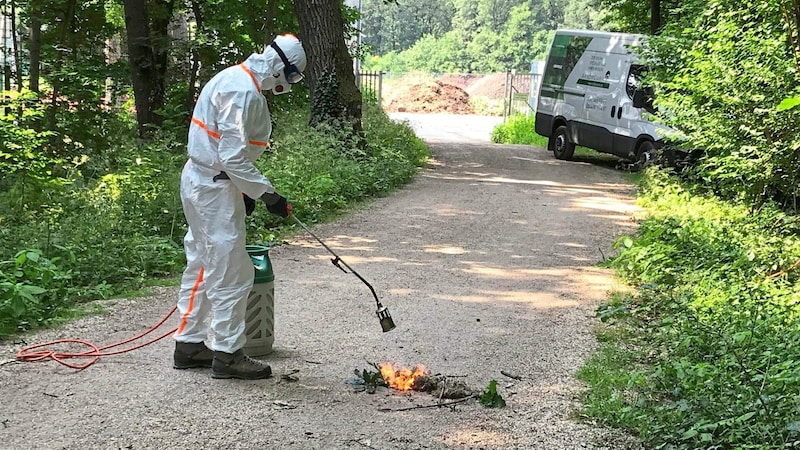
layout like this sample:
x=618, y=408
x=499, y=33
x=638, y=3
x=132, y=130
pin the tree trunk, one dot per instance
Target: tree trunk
x=15, y=43
x=191, y=92
x=67, y=16
x=791, y=14
x=147, y=51
x=330, y=78
x=655, y=16
x=35, y=46
x=269, y=27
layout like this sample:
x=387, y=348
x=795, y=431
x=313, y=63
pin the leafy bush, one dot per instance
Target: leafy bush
x=21, y=141
x=322, y=171
x=705, y=354
x=33, y=289
x=518, y=130
x=721, y=69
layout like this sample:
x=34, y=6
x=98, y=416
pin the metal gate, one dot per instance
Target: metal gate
x=371, y=85
x=522, y=90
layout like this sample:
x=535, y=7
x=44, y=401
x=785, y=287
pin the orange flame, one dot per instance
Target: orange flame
x=401, y=379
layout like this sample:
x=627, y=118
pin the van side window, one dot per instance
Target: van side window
x=635, y=91
x=565, y=53
x=636, y=74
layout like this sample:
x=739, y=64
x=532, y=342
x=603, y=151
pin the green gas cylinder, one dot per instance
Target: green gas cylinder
x=260, y=315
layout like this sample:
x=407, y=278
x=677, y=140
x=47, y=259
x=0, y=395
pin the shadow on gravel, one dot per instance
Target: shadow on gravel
x=600, y=160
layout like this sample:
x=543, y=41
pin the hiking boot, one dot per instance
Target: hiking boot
x=238, y=365
x=192, y=355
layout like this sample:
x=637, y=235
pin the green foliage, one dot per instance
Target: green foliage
x=397, y=26
x=465, y=37
x=21, y=140
x=443, y=54
x=325, y=105
x=32, y=289
x=518, y=130
x=390, y=62
x=367, y=380
x=491, y=398
x=788, y=103
x=720, y=71
x=228, y=32
x=704, y=355
x=626, y=15
x=322, y=170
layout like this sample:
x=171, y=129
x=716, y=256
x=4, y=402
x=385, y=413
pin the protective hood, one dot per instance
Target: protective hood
x=271, y=69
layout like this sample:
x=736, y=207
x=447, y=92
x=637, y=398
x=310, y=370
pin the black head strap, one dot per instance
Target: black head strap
x=290, y=71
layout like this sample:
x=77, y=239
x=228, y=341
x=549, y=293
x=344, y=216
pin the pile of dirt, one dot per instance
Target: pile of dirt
x=462, y=80
x=491, y=86
x=430, y=97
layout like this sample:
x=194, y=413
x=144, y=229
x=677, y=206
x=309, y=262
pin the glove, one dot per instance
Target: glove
x=249, y=205
x=276, y=204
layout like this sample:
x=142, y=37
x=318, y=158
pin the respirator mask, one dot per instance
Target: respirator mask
x=290, y=75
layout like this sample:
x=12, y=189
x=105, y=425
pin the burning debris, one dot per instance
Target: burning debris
x=404, y=379
x=443, y=386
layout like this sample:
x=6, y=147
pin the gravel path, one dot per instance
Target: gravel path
x=487, y=262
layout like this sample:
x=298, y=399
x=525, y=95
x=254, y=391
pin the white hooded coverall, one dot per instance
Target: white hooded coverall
x=230, y=129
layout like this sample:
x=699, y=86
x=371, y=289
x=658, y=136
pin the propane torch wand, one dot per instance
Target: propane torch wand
x=387, y=324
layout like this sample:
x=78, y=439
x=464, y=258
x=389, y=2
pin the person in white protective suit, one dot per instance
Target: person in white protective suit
x=230, y=129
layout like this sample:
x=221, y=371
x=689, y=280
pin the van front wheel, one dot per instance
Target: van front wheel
x=645, y=154
x=560, y=145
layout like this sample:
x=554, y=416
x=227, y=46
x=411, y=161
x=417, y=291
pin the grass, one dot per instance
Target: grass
x=521, y=129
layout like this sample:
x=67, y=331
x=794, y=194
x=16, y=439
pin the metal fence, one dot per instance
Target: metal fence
x=371, y=86
x=522, y=89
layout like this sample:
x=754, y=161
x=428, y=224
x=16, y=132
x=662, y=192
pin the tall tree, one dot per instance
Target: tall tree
x=6, y=74
x=16, y=50
x=634, y=17
x=146, y=23
x=35, y=45
x=388, y=26
x=655, y=16
x=331, y=81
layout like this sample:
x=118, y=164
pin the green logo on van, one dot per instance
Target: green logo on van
x=592, y=83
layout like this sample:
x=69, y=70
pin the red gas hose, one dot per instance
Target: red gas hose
x=28, y=355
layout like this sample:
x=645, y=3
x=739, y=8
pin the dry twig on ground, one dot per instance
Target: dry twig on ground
x=435, y=405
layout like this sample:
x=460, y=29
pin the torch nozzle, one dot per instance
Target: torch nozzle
x=387, y=324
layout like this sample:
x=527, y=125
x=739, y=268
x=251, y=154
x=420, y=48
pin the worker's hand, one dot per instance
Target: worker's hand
x=276, y=204
x=249, y=204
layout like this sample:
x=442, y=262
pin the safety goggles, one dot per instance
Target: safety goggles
x=290, y=71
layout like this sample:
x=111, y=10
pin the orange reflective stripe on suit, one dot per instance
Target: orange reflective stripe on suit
x=189, y=309
x=216, y=135
x=200, y=124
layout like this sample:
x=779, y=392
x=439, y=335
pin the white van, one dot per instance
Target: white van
x=590, y=95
